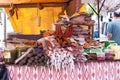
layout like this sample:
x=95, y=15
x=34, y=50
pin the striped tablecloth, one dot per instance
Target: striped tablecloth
x=84, y=71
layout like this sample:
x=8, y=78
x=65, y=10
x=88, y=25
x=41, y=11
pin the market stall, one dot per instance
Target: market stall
x=59, y=57
x=68, y=52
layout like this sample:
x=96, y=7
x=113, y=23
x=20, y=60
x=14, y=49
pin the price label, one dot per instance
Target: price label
x=95, y=50
x=7, y=55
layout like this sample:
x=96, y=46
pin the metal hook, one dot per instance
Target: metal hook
x=12, y=5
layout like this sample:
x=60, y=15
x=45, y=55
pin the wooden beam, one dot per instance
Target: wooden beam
x=31, y=1
x=33, y=5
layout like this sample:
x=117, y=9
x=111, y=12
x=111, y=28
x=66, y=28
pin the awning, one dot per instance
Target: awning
x=33, y=3
x=27, y=17
x=30, y=1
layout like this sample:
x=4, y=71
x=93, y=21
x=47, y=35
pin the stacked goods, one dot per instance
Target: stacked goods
x=101, y=56
x=39, y=59
x=56, y=46
x=48, y=42
x=100, y=53
x=109, y=54
x=79, y=32
x=92, y=44
x=61, y=58
x=34, y=57
x=65, y=57
x=82, y=19
x=54, y=42
x=64, y=47
x=91, y=56
x=77, y=52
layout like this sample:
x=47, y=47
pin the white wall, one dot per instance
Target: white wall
x=8, y=26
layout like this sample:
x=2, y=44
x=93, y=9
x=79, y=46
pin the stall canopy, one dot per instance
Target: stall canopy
x=31, y=16
x=30, y=1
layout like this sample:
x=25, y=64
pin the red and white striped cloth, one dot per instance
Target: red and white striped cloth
x=83, y=71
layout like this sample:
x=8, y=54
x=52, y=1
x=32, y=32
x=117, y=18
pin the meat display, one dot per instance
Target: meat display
x=82, y=19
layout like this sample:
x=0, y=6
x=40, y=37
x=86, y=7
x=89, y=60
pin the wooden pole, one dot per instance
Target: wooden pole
x=98, y=6
x=5, y=28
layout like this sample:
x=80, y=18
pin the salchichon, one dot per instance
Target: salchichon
x=68, y=32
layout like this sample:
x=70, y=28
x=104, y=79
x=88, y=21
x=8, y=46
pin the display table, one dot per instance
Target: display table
x=105, y=70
